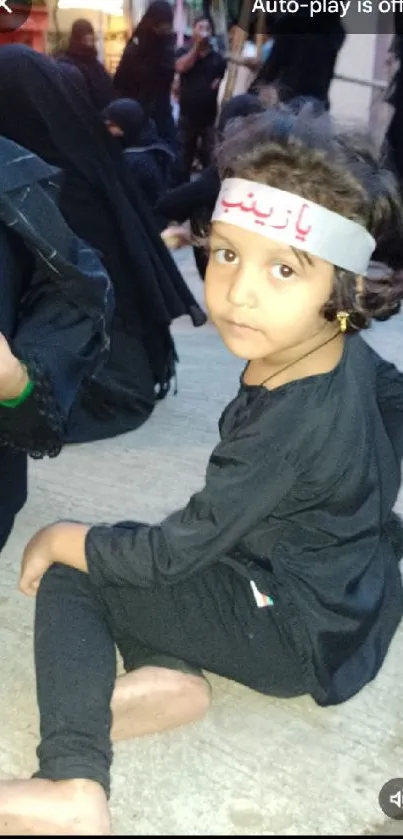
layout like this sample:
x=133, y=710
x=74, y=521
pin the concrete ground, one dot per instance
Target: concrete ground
x=255, y=765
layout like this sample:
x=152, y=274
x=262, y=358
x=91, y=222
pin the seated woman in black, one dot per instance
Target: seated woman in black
x=148, y=157
x=56, y=305
x=43, y=109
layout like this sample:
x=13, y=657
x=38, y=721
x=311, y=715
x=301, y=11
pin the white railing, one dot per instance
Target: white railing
x=380, y=111
x=375, y=84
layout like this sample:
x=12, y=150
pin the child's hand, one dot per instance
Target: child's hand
x=37, y=558
x=176, y=237
x=13, y=375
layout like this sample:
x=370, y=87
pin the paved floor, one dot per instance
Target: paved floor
x=254, y=765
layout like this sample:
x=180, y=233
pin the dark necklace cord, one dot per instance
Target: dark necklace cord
x=299, y=359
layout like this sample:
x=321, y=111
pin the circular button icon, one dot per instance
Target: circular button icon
x=13, y=14
x=391, y=799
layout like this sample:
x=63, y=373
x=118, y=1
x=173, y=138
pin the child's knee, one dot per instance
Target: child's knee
x=62, y=578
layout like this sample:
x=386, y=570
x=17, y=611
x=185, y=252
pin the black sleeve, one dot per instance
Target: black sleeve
x=101, y=88
x=245, y=481
x=221, y=68
x=61, y=345
x=180, y=51
x=181, y=203
x=389, y=390
x=126, y=75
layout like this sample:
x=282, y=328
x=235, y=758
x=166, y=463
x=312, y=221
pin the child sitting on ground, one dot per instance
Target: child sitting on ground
x=282, y=572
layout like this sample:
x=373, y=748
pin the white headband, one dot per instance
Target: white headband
x=288, y=218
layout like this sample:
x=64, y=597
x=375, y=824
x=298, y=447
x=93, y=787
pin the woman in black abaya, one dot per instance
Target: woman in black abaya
x=42, y=110
x=82, y=54
x=147, y=68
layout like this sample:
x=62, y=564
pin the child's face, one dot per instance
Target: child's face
x=263, y=296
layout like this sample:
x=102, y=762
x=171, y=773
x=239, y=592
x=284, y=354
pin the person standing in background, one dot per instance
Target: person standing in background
x=82, y=54
x=201, y=69
x=302, y=61
x=147, y=67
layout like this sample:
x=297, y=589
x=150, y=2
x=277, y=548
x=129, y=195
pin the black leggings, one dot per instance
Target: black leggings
x=198, y=141
x=210, y=621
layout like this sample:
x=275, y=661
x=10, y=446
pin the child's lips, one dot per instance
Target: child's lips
x=243, y=326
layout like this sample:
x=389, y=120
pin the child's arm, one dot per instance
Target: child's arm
x=246, y=480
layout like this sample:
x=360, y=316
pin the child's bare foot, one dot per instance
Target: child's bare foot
x=153, y=699
x=61, y=808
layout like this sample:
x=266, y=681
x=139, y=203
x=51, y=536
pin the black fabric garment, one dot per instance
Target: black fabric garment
x=243, y=105
x=198, y=101
x=98, y=82
x=212, y=617
x=7, y=524
x=194, y=201
x=146, y=72
x=105, y=207
x=393, y=144
x=301, y=65
x=84, y=57
x=75, y=77
x=138, y=128
x=148, y=166
x=180, y=204
x=200, y=196
x=148, y=157
x=56, y=305
x=314, y=535
x=196, y=143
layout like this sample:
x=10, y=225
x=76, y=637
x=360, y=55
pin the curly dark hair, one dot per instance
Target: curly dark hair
x=340, y=170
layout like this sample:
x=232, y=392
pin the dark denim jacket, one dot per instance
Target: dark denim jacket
x=56, y=304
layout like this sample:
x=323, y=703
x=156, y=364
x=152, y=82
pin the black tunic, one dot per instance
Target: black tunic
x=298, y=496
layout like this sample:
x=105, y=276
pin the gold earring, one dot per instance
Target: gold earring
x=343, y=318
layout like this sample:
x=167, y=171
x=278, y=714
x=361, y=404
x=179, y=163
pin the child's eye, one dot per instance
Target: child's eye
x=282, y=272
x=225, y=256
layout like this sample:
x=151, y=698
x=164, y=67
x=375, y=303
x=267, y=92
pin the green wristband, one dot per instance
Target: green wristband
x=14, y=403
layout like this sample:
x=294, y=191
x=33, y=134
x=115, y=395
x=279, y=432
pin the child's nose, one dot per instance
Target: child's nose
x=242, y=290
